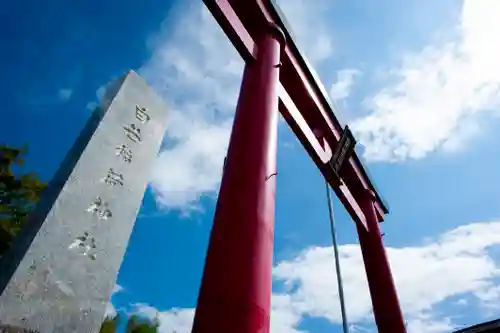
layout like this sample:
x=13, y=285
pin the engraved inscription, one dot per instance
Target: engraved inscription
x=100, y=208
x=133, y=133
x=85, y=245
x=141, y=114
x=113, y=178
x=124, y=152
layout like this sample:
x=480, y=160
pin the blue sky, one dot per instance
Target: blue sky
x=418, y=82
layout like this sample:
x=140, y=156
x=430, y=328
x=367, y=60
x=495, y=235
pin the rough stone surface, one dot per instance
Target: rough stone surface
x=14, y=329
x=60, y=272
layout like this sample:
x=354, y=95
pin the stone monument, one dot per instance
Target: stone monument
x=59, y=274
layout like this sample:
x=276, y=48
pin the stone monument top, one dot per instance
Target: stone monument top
x=60, y=272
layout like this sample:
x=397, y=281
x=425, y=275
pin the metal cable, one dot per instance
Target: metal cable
x=345, y=324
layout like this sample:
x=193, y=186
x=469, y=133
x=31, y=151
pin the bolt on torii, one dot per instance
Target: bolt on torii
x=235, y=293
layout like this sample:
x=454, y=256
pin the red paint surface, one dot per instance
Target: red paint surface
x=386, y=309
x=235, y=294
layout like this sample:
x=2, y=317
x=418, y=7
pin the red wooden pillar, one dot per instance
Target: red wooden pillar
x=386, y=308
x=235, y=293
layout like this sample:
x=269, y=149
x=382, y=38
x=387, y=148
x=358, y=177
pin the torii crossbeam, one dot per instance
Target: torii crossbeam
x=235, y=292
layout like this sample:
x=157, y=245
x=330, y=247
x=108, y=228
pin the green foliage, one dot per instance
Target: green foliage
x=135, y=324
x=110, y=325
x=18, y=194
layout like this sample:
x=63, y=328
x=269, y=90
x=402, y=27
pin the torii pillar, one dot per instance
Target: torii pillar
x=237, y=277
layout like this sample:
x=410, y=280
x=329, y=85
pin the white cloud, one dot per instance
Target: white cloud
x=65, y=94
x=313, y=34
x=110, y=308
x=345, y=80
x=457, y=264
x=488, y=298
x=284, y=317
x=99, y=94
x=434, y=102
x=173, y=320
x=438, y=95
x=313, y=275
x=426, y=324
x=197, y=71
x=193, y=166
x=117, y=288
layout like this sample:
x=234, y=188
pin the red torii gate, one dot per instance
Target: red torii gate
x=235, y=293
